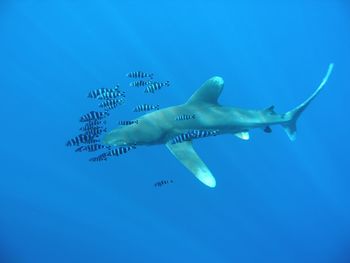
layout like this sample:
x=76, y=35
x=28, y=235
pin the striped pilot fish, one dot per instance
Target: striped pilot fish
x=95, y=122
x=181, y=138
x=93, y=115
x=111, y=104
x=95, y=131
x=111, y=95
x=90, y=127
x=156, y=86
x=100, y=158
x=120, y=150
x=185, y=117
x=128, y=122
x=163, y=182
x=203, y=133
x=146, y=107
x=139, y=74
x=98, y=92
x=194, y=134
x=91, y=148
x=139, y=83
x=81, y=139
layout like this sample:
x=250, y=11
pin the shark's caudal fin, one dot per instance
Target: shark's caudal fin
x=292, y=116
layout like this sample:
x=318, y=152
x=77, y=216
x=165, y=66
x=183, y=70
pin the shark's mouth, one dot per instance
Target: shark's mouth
x=113, y=139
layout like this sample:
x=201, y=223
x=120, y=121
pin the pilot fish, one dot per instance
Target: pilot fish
x=111, y=95
x=111, y=104
x=100, y=158
x=162, y=182
x=91, y=148
x=81, y=138
x=95, y=131
x=139, y=83
x=120, y=150
x=156, y=86
x=146, y=107
x=185, y=117
x=194, y=134
x=98, y=92
x=94, y=115
x=128, y=122
x=90, y=127
x=139, y=74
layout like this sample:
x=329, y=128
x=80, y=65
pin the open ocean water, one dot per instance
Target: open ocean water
x=275, y=200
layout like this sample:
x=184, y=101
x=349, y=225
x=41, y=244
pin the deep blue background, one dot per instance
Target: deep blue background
x=275, y=201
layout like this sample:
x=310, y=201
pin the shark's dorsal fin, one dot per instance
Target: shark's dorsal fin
x=209, y=92
x=242, y=135
x=185, y=153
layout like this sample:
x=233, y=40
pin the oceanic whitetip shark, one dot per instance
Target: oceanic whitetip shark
x=160, y=127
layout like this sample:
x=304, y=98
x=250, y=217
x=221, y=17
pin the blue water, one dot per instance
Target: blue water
x=275, y=200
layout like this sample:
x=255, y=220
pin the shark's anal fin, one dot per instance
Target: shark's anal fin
x=185, y=153
x=267, y=129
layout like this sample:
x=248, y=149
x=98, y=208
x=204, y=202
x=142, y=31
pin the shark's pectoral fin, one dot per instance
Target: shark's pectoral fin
x=185, y=153
x=242, y=135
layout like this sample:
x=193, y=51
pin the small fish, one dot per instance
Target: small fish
x=181, y=138
x=93, y=115
x=139, y=74
x=100, y=158
x=120, y=150
x=91, y=148
x=163, y=182
x=111, y=104
x=185, y=117
x=81, y=139
x=156, y=86
x=128, y=122
x=96, y=122
x=203, y=133
x=90, y=127
x=139, y=83
x=98, y=92
x=111, y=95
x=95, y=131
x=146, y=107
x=194, y=134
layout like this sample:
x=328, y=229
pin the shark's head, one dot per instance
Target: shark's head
x=143, y=132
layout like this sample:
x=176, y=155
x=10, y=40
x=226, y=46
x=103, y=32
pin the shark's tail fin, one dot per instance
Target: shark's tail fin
x=292, y=116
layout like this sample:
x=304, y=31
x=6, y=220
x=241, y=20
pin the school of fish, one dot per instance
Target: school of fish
x=94, y=123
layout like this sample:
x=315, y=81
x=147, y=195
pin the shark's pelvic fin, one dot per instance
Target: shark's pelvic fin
x=242, y=135
x=209, y=92
x=185, y=153
x=292, y=116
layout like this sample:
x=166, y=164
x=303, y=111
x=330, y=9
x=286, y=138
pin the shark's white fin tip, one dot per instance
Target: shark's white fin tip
x=185, y=153
x=217, y=80
x=206, y=178
x=243, y=135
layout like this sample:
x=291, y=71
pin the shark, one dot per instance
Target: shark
x=160, y=127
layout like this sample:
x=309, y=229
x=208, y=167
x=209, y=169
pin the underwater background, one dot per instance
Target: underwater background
x=275, y=200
